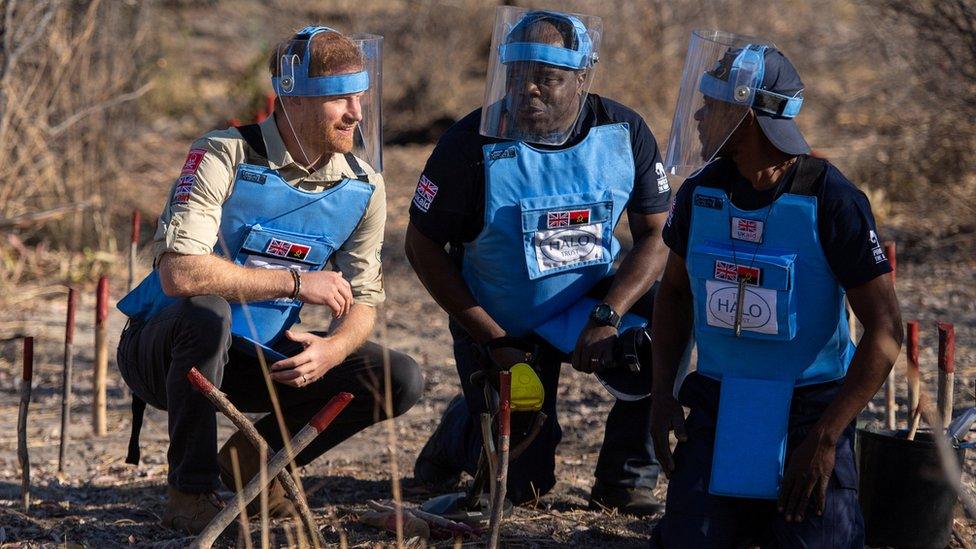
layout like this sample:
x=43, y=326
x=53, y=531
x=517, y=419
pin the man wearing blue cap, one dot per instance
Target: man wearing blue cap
x=765, y=242
x=525, y=194
x=253, y=220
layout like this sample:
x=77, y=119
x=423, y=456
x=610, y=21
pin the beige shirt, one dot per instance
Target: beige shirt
x=191, y=220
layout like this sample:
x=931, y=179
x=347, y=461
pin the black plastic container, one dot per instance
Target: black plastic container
x=905, y=497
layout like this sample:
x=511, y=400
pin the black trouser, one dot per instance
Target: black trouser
x=626, y=456
x=696, y=518
x=155, y=356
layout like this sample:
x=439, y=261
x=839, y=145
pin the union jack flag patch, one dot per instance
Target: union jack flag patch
x=283, y=248
x=567, y=218
x=426, y=191
x=730, y=272
x=749, y=230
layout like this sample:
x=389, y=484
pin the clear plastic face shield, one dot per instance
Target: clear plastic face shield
x=337, y=108
x=540, y=70
x=722, y=75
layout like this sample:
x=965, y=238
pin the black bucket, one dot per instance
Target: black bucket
x=905, y=497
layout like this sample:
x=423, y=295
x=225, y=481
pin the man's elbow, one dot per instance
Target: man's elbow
x=174, y=281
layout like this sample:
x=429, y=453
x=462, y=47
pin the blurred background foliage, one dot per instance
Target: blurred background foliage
x=99, y=99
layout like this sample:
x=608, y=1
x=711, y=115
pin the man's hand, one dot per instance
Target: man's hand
x=806, y=475
x=594, y=348
x=321, y=354
x=666, y=415
x=327, y=288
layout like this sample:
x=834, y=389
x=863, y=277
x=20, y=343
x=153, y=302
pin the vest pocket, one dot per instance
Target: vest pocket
x=268, y=248
x=566, y=232
x=769, y=301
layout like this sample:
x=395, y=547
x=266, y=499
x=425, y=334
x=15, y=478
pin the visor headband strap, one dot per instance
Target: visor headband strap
x=319, y=86
x=544, y=53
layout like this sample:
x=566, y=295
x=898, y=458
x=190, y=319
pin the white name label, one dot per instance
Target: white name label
x=562, y=247
x=758, y=309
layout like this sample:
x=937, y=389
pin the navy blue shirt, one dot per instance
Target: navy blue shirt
x=845, y=224
x=449, y=205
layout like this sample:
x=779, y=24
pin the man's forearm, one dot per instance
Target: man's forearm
x=189, y=275
x=637, y=273
x=876, y=353
x=352, y=329
x=671, y=327
x=445, y=284
x=876, y=306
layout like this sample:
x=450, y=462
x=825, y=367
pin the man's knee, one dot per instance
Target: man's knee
x=204, y=326
x=407, y=382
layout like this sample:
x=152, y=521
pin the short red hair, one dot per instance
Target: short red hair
x=332, y=53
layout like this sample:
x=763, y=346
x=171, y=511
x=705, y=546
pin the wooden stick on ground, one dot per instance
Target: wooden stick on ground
x=25, y=395
x=456, y=528
x=504, y=437
x=913, y=374
x=69, y=338
x=947, y=352
x=240, y=421
x=134, y=247
x=99, y=425
x=891, y=406
x=316, y=425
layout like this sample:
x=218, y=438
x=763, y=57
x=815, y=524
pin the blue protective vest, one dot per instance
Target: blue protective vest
x=549, y=220
x=794, y=326
x=267, y=223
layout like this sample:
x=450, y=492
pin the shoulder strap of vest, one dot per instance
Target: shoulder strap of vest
x=808, y=172
x=252, y=136
x=356, y=167
x=602, y=116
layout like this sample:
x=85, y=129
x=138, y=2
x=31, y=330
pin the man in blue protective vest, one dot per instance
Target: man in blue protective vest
x=525, y=194
x=765, y=242
x=254, y=221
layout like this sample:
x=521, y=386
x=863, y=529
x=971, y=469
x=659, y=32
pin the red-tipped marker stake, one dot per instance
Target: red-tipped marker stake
x=134, y=247
x=101, y=359
x=504, y=439
x=316, y=425
x=947, y=352
x=25, y=395
x=69, y=343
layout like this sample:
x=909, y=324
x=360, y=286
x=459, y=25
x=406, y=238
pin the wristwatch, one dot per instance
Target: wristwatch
x=604, y=315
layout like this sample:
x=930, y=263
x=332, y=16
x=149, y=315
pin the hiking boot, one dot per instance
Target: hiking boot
x=431, y=468
x=188, y=512
x=249, y=461
x=639, y=501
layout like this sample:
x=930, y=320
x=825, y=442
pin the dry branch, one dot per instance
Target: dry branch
x=239, y=420
x=316, y=425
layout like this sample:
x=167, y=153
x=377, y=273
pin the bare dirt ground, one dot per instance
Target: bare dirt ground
x=100, y=501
